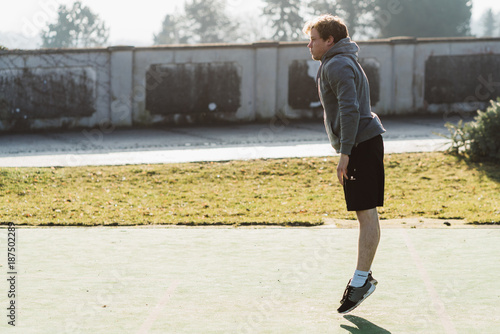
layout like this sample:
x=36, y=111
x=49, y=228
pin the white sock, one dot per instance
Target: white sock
x=359, y=278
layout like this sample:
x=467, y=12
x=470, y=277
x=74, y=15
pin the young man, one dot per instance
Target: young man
x=355, y=132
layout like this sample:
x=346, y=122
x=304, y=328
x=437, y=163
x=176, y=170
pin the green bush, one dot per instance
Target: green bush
x=479, y=139
x=3, y=48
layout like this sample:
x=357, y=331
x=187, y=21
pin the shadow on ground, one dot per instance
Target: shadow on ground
x=363, y=326
x=490, y=170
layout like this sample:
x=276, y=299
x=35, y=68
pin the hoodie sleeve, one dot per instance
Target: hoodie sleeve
x=342, y=81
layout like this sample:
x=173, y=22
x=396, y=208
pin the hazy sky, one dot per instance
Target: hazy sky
x=130, y=22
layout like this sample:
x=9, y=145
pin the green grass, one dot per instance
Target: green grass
x=276, y=192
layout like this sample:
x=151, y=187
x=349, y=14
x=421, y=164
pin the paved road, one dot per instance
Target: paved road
x=213, y=143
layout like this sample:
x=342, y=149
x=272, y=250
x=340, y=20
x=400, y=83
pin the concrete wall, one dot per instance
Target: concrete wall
x=43, y=89
x=126, y=86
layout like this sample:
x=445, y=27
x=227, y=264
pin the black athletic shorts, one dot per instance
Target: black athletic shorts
x=364, y=188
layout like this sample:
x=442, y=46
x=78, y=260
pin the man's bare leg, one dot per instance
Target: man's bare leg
x=369, y=237
x=362, y=285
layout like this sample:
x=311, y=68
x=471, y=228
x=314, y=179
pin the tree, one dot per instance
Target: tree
x=77, y=26
x=285, y=19
x=203, y=21
x=357, y=14
x=320, y=7
x=171, y=31
x=489, y=23
x=208, y=22
x=424, y=18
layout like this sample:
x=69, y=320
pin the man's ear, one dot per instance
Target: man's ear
x=331, y=40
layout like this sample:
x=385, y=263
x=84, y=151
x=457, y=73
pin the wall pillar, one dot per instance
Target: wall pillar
x=266, y=79
x=403, y=58
x=122, y=64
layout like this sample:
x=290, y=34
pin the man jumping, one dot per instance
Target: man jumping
x=355, y=132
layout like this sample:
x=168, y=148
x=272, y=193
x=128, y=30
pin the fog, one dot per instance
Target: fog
x=136, y=23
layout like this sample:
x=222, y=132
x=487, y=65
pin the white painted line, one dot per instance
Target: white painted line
x=158, y=310
x=436, y=301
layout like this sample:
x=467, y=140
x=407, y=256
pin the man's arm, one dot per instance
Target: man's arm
x=342, y=82
x=344, y=86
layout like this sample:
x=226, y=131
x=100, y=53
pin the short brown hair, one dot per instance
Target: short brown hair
x=327, y=25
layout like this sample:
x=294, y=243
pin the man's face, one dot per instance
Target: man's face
x=318, y=46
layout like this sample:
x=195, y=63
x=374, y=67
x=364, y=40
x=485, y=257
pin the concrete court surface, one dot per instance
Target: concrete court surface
x=275, y=139
x=250, y=280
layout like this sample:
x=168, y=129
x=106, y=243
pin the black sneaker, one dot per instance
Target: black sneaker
x=355, y=296
x=372, y=279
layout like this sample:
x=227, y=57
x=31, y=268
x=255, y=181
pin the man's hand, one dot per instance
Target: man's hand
x=342, y=168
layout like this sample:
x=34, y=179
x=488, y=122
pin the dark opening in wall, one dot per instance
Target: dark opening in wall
x=193, y=89
x=456, y=79
x=302, y=89
x=372, y=71
x=27, y=94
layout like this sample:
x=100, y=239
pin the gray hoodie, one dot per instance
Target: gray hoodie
x=345, y=96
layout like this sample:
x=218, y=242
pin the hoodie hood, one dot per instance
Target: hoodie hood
x=345, y=47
